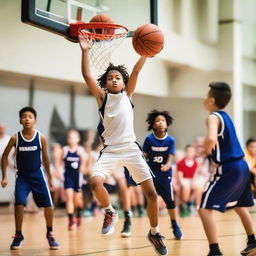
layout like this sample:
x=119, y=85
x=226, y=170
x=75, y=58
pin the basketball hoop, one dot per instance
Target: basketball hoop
x=104, y=38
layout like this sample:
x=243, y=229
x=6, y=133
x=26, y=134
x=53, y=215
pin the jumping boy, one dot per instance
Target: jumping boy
x=30, y=145
x=113, y=93
x=159, y=149
x=230, y=185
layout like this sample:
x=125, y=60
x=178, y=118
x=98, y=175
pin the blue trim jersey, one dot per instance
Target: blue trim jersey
x=158, y=150
x=73, y=178
x=116, y=124
x=228, y=147
x=28, y=152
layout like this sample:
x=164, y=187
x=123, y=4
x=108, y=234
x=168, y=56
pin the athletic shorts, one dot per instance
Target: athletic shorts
x=73, y=180
x=229, y=187
x=163, y=185
x=129, y=155
x=35, y=182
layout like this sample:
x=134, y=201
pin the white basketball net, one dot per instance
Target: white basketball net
x=103, y=45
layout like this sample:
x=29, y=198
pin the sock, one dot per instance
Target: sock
x=251, y=239
x=78, y=212
x=139, y=207
x=18, y=232
x=174, y=222
x=127, y=216
x=49, y=229
x=214, y=248
x=133, y=209
x=109, y=209
x=70, y=216
x=154, y=230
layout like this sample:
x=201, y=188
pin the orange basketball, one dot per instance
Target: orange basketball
x=148, y=40
x=102, y=18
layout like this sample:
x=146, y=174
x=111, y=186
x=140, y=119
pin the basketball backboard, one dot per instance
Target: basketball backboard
x=56, y=15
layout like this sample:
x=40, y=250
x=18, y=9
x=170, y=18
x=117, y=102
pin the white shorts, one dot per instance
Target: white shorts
x=128, y=155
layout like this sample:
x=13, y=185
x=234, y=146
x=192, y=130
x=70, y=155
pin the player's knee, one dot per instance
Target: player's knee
x=151, y=195
x=95, y=183
x=170, y=204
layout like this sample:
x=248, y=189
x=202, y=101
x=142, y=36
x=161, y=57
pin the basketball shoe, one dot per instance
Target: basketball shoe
x=176, y=231
x=78, y=221
x=214, y=254
x=109, y=222
x=72, y=223
x=126, y=232
x=52, y=242
x=16, y=243
x=157, y=241
x=250, y=250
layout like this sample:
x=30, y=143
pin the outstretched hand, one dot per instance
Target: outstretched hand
x=84, y=41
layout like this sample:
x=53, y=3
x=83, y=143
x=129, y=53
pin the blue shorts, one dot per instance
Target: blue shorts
x=35, y=182
x=229, y=187
x=73, y=180
x=163, y=185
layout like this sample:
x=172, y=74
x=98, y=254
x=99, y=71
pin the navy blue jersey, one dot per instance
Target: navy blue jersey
x=228, y=147
x=72, y=161
x=158, y=150
x=28, y=152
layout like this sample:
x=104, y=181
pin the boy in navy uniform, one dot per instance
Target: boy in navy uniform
x=230, y=184
x=30, y=148
x=159, y=149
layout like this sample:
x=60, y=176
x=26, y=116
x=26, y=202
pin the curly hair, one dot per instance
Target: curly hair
x=102, y=80
x=154, y=114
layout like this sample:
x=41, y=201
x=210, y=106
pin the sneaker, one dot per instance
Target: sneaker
x=78, y=221
x=52, y=242
x=157, y=241
x=214, y=254
x=177, y=231
x=72, y=223
x=17, y=239
x=184, y=212
x=250, y=250
x=126, y=232
x=109, y=223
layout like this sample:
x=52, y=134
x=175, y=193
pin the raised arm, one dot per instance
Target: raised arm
x=4, y=160
x=131, y=86
x=91, y=82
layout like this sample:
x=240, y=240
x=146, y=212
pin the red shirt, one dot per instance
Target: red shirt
x=188, y=171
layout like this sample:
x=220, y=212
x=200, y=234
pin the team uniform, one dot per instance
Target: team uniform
x=30, y=176
x=158, y=150
x=73, y=178
x=121, y=148
x=230, y=184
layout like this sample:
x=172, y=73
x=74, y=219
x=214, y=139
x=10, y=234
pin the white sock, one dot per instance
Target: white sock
x=109, y=209
x=154, y=230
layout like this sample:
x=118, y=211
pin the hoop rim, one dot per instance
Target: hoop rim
x=84, y=28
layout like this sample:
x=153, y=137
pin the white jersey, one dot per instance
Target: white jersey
x=116, y=125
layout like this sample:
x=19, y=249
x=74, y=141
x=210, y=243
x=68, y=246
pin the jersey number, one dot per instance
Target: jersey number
x=158, y=159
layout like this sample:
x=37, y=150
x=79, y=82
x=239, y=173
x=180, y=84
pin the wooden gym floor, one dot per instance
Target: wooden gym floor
x=87, y=239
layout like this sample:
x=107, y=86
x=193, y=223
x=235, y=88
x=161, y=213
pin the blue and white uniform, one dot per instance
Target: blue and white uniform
x=73, y=178
x=230, y=185
x=30, y=176
x=158, y=151
x=117, y=132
